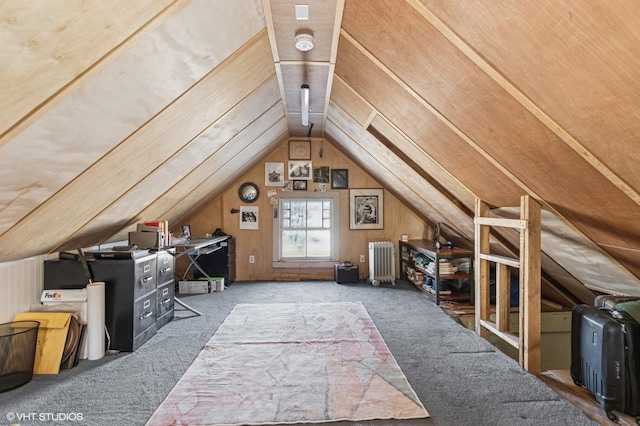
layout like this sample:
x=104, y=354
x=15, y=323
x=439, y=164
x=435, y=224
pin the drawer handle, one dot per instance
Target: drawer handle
x=146, y=315
x=165, y=301
x=162, y=271
x=146, y=279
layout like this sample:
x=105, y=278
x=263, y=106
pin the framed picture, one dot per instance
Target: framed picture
x=249, y=217
x=274, y=174
x=366, y=209
x=186, y=231
x=300, y=185
x=300, y=170
x=339, y=178
x=299, y=150
x=287, y=185
x=321, y=174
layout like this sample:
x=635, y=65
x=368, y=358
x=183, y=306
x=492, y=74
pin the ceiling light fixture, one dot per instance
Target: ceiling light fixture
x=304, y=102
x=304, y=41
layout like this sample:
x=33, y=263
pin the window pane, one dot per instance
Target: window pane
x=306, y=228
x=319, y=243
x=293, y=244
x=314, y=214
x=298, y=214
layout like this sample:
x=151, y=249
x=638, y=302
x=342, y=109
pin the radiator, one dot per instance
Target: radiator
x=382, y=262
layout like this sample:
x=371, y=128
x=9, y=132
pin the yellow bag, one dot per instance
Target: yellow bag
x=52, y=337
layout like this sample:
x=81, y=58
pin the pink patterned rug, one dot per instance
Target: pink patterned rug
x=292, y=363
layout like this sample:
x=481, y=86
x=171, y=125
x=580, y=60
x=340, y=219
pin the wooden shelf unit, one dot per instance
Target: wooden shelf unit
x=426, y=248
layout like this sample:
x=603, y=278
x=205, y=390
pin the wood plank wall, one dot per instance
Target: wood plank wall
x=398, y=220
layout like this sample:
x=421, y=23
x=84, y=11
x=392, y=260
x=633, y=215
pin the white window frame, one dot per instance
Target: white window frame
x=278, y=262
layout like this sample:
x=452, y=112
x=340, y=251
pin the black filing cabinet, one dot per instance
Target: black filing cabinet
x=139, y=292
x=221, y=262
x=131, y=305
x=166, y=288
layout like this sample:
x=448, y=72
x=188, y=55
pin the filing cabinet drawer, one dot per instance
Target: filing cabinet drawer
x=144, y=313
x=165, y=296
x=165, y=265
x=144, y=276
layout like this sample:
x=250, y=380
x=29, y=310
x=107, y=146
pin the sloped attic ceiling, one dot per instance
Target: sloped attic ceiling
x=117, y=111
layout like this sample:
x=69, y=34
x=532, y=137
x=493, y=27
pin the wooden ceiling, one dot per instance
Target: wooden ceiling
x=116, y=111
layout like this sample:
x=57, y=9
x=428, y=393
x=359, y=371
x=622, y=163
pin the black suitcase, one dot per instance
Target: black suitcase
x=605, y=357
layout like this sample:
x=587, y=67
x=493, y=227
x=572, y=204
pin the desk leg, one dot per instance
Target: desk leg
x=184, y=305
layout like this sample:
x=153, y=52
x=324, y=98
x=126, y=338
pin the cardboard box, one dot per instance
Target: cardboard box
x=146, y=239
x=194, y=287
x=52, y=337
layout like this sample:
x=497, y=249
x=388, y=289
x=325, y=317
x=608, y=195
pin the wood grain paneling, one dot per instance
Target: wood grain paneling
x=596, y=110
x=403, y=181
x=241, y=155
x=134, y=159
x=494, y=120
x=471, y=168
x=399, y=219
x=316, y=76
x=321, y=19
x=213, y=175
x=115, y=113
x=45, y=46
x=349, y=101
x=145, y=78
x=247, y=113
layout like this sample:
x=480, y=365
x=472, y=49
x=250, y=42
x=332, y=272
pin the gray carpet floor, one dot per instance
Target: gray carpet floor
x=460, y=378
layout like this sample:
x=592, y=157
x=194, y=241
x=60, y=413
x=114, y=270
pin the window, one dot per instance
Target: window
x=305, y=229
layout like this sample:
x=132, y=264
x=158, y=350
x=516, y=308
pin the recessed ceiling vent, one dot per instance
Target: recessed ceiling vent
x=302, y=12
x=304, y=41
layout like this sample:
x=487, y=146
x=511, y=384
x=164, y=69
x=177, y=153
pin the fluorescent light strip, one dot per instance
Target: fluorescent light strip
x=304, y=104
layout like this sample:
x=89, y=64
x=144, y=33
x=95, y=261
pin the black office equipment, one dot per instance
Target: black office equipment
x=346, y=272
x=220, y=262
x=605, y=357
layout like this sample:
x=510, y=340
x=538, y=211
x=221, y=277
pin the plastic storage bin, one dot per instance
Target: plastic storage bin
x=18, y=342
